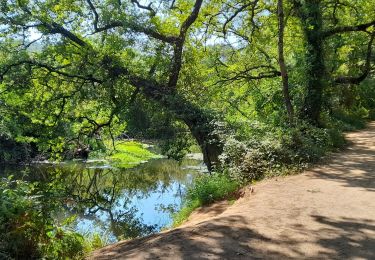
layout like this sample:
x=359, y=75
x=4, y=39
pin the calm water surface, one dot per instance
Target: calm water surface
x=115, y=203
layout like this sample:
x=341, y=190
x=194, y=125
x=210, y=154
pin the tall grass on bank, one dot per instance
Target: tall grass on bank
x=206, y=189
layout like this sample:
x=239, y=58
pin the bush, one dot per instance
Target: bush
x=212, y=187
x=15, y=152
x=371, y=114
x=205, y=190
x=349, y=120
x=279, y=151
x=27, y=228
x=337, y=138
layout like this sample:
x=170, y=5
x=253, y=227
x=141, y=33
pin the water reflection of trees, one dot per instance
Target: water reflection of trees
x=103, y=195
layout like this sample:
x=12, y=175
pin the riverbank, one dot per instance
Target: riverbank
x=326, y=212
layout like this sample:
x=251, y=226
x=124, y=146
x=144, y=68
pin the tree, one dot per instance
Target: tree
x=78, y=69
x=283, y=70
x=310, y=14
x=105, y=57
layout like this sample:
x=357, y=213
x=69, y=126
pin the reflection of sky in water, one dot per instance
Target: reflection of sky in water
x=149, y=210
x=153, y=189
x=149, y=206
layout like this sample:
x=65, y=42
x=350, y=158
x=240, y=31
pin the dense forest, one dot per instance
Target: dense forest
x=261, y=87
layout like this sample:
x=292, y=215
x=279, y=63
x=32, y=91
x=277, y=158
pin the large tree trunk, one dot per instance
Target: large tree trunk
x=283, y=70
x=202, y=126
x=311, y=18
x=201, y=123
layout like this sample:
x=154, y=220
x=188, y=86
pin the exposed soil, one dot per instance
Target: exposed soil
x=325, y=213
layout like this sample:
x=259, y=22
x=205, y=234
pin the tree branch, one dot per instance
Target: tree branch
x=366, y=70
x=55, y=28
x=96, y=15
x=138, y=28
x=178, y=48
x=238, y=11
x=148, y=7
x=49, y=68
x=247, y=75
x=344, y=29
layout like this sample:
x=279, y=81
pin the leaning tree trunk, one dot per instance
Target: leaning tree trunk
x=202, y=126
x=311, y=18
x=201, y=123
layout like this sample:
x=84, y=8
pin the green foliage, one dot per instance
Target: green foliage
x=145, y=122
x=280, y=150
x=366, y=93
x=353, y=119
x=28, y=231
x=80, y=84
x=63, y=245
x=95, y=241
x=184, y=213
x=129, y=154
x=59, y=95
x=211, y=187
x=205, y=190
x=14, y=152
x=177, y=147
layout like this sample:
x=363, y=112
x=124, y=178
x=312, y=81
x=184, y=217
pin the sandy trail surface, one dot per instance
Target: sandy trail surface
x=325, y=213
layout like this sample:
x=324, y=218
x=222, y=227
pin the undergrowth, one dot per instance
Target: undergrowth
x=28, y=229
x=267, y=151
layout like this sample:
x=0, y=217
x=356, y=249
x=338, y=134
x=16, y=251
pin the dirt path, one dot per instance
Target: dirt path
x=325, y=213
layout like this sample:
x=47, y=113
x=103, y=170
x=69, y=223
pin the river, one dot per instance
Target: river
x=114, y=203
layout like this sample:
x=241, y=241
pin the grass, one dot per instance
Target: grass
x=206, y=190
x=129, y=154
x=183, y=214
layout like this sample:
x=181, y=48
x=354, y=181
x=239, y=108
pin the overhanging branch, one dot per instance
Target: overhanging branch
x=49, y=68
x=344, y=29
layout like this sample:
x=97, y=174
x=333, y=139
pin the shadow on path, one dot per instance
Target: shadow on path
x=342, y=239
x=284, y=219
